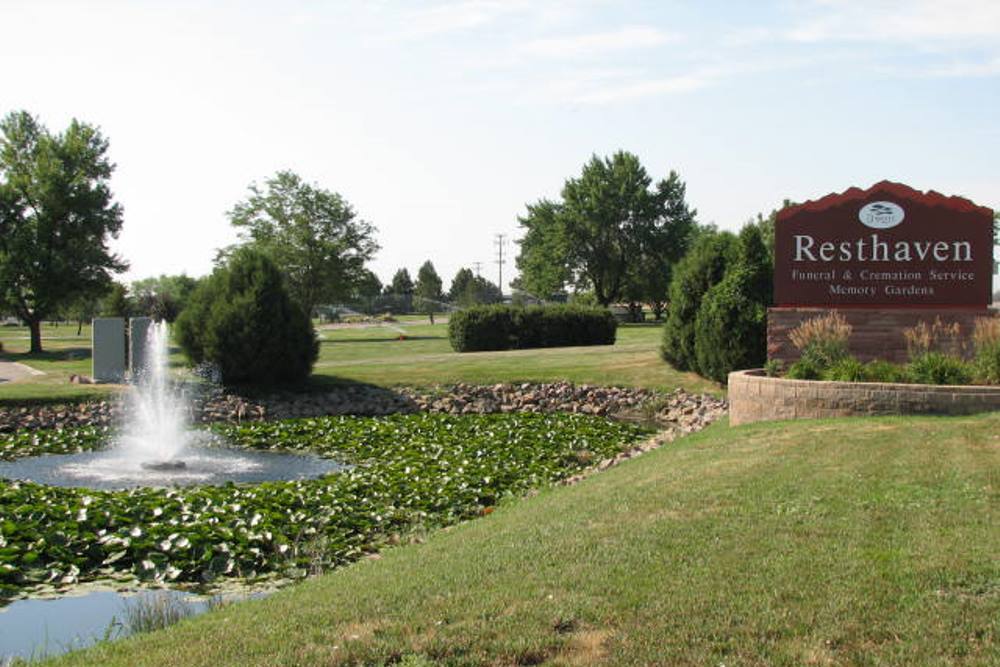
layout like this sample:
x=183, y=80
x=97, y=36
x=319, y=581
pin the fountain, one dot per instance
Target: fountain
x=157, y=447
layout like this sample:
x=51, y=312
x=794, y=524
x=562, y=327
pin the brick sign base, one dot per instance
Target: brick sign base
x=877, y=333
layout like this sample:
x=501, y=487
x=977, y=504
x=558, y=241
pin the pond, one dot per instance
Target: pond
x=37, y=628
x=112, y=470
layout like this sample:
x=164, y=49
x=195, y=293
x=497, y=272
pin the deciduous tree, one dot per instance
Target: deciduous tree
x=311, y=233
x=612, y=227
x=57, y=215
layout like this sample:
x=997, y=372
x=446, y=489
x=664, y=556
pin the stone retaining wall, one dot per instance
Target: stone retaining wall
x=755, y=397
x=877, y=332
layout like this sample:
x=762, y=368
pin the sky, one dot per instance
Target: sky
x=439, y=121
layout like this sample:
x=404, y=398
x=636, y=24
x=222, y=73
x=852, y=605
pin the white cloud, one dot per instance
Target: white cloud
x=899, y=21
x=454, y=17
x=967, y=69
x=633, y=37
x=641, y=88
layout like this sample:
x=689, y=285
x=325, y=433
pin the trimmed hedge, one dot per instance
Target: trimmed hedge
x=502, y=327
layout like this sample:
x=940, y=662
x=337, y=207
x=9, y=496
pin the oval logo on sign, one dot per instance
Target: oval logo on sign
x=881, y=215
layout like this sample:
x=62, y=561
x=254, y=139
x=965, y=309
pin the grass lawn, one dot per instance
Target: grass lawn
x=65, y=353
x=376, y=355
x=861, y=541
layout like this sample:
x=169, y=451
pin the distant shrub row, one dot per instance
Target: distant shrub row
x=516, y=328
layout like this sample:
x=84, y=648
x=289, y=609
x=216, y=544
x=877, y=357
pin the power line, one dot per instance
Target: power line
x=478, y=266
x=499, y=243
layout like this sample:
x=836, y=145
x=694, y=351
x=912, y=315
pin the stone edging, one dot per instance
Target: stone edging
x=755, y=397
x=678, y=411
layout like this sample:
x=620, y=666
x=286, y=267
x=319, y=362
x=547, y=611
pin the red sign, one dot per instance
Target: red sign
x=889, y=245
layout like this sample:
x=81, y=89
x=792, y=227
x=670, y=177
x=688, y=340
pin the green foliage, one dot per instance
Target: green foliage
x=56, y=216
x=468, y=289
x=805, y=369
x=773, y=368
x=428, y=288
x=410, y=472
x=823, y=340
x=939, y=368
x=514, y=327
x=847, y=369
x=731, y=328
x=163, y=297
x=880, y=370
x=242, y=319
x=116, y=303
x=401, y=282
x=986, y=342
x=614, y=231
x=731, y=324
x=313, y=234
x=543, y=259
x=704, y=266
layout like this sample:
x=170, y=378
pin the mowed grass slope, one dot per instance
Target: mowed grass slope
x=863, y=541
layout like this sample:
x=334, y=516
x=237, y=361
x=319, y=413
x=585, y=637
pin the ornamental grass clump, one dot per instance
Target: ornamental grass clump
x=939, y=368
x=937, y=337
x=935, y=354
x=822, y=342
x=986, y=342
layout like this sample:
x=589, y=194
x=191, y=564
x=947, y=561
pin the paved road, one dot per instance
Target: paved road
x=11, y=371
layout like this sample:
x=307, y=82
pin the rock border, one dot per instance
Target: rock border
x=677, y=411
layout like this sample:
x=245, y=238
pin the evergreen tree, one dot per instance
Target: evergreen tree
x=731, y=324
x=243, y=319
x=428, y=289
x=704, y=266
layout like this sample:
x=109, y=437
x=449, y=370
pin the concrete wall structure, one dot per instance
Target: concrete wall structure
x=755, y=397
x=138, y=331
x=877, y=332
x=108, y=349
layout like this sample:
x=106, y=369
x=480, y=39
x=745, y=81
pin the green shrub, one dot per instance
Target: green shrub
x=242, y=319
x=773, y=368
x=880, y=370
x=823, y=340
x=731, y=324
x=501, y=327
x=804, y=369
x=986, y=340
x=939, y=368
x=731, y=329
x=703, y=266
x=847, y=369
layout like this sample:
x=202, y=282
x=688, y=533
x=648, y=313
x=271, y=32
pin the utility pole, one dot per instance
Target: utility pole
x=478, y=266
x=499, y=243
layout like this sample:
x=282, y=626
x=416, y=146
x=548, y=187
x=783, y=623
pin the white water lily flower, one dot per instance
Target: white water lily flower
x=148, y=565
x=81, y=515
x=256, y=519
x=183, y=543
x=157, y=511
x=172, y=572
x=282, y=548
x=135, y=532
x=165, y=545
x=86, y=500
